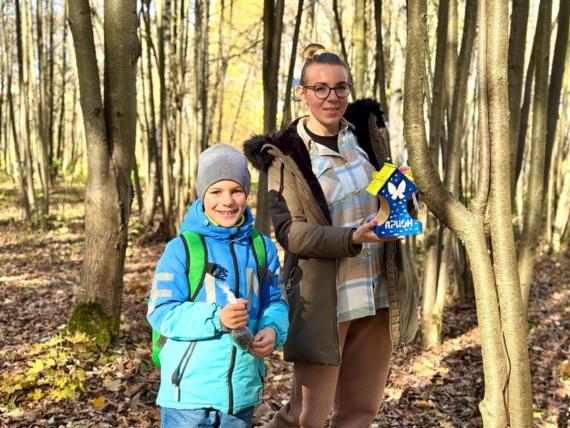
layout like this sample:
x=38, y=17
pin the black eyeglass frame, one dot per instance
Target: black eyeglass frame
x=333, y=88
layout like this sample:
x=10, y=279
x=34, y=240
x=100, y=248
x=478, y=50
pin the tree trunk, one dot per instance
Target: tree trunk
x=468, y=225
x=562, y=211
x=153, y=173
x=525, y=109
x=41, y=112
x=517, y=43
x=431, y=320
x=360, y=61
x=110, y=134
x=338, y=22
x=24, y=119
x=555, y=87
x=451, y=57
x=535, y=192
x=502, y=237
x=379, y=71
x=397, y=89
x=272, y=29
x=453, y=162
x=286, y=116
x=163, y=18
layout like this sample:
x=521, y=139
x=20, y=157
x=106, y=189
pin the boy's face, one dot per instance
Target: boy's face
x=225, y=202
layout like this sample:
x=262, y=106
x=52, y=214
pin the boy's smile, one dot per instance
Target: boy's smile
x=225, y=202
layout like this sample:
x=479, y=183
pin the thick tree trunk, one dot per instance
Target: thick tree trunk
x=110, y=134
x=535, y=192
x=468, y=225
x=502, y=237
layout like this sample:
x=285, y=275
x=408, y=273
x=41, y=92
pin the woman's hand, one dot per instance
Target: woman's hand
x=263, y=343
x=234, y=315
x=365, y=233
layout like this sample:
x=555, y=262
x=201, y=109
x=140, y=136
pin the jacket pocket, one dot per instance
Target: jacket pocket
x=291, y=271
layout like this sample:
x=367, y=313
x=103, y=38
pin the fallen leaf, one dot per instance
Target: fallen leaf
x=98, y=402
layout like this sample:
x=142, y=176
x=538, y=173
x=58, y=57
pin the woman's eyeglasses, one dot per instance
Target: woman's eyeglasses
x=323, y=91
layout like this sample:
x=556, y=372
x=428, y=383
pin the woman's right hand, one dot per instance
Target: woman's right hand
x=234, y=315
x=365, y=233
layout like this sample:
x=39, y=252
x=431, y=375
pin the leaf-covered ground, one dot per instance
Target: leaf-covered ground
x=49, y=378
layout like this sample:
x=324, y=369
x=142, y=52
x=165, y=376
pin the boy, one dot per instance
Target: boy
x=208, y=376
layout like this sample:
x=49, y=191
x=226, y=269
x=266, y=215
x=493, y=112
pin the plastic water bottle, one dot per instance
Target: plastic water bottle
x=243, y=337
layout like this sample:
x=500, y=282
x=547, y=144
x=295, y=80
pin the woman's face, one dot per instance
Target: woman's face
x=324, y=114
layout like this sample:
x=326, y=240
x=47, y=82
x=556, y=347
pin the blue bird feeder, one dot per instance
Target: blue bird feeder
x=394, y=188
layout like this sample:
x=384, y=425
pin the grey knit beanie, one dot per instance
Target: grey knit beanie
x=221, y=162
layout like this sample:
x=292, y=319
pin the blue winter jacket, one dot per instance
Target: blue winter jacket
x=215, y=373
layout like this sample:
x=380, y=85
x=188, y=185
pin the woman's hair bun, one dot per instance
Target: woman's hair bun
x=311, y=50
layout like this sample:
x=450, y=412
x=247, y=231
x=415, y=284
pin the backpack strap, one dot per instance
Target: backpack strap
x=196, y=267
x=196, y=259
x=260, y=253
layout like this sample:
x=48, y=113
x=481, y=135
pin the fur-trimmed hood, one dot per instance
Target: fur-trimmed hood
x=290, y=144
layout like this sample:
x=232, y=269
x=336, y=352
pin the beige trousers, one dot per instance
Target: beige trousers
x=354, y=390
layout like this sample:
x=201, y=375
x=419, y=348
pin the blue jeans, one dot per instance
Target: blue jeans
x=175, y=418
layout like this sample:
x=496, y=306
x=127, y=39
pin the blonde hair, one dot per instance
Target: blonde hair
x=315, y=53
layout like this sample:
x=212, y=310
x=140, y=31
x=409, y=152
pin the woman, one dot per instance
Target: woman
x=348, y=296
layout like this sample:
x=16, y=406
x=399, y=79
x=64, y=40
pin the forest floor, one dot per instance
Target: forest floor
x=51, y=378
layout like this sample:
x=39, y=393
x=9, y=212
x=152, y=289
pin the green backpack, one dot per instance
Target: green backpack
x=197, y=266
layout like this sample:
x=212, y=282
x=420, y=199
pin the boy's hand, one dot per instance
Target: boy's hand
x=263, y=343
x=234, y=315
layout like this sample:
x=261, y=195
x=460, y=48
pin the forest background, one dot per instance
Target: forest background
x=105, y=106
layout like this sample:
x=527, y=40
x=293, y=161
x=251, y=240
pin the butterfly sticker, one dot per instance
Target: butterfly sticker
x=397, y=192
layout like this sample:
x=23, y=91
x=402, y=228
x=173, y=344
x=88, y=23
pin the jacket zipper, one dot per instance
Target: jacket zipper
x=233, y=359
x=178, y=373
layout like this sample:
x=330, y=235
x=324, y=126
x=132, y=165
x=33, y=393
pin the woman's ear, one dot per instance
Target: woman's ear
x=299, y=93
